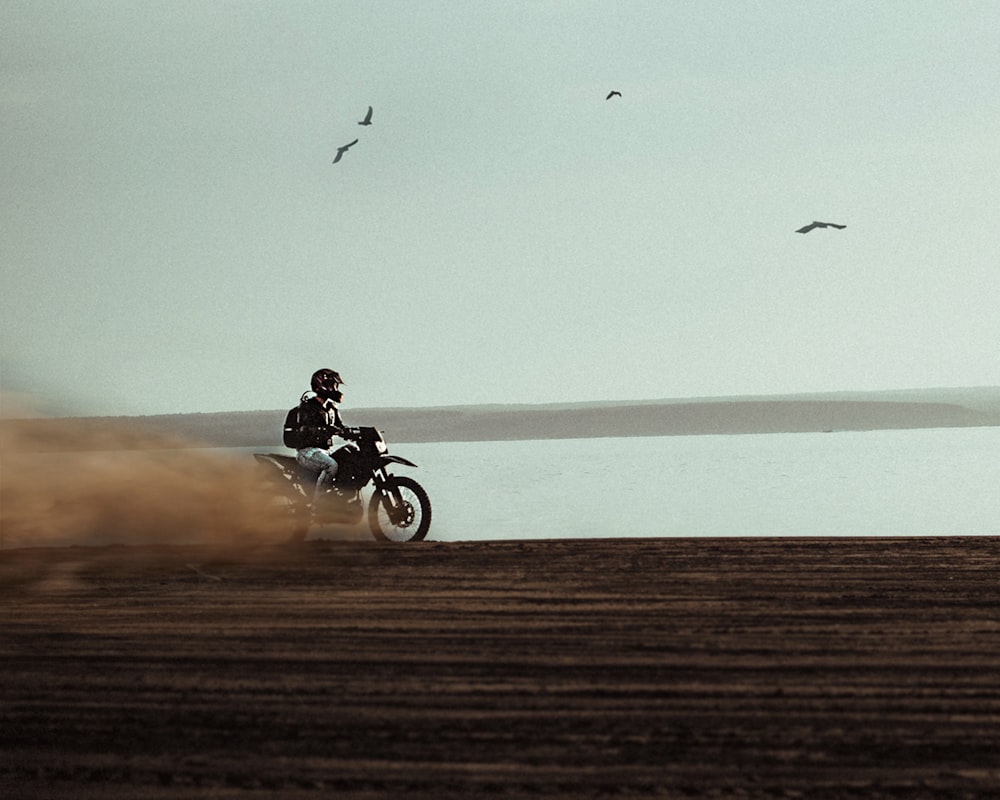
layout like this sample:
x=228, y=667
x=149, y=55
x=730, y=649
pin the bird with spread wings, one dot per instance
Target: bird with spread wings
x=342, y=150
x=817, y=224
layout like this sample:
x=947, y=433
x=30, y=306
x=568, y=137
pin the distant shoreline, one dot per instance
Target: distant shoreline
x=932, y=408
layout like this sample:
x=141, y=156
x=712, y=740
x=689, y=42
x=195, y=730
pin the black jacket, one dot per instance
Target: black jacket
x=318, y=422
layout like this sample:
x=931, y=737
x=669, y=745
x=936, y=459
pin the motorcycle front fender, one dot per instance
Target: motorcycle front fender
x=397, y=460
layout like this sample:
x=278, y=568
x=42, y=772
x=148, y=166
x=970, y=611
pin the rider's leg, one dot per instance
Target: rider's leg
x=319, y=460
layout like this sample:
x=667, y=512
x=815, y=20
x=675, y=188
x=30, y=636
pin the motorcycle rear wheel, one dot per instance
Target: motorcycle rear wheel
x=402, y=513
x=291, y=515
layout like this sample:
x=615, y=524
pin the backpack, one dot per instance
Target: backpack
x=292, y=432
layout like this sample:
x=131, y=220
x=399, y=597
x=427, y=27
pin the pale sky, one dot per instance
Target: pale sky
x=175, y=238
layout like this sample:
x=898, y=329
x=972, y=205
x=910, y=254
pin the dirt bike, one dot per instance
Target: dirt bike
x=399, y=509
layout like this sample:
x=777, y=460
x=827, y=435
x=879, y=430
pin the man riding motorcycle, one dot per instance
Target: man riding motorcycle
x=327, y=484
x=318, y=423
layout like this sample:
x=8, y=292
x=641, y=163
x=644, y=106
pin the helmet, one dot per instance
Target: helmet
x=326, y=383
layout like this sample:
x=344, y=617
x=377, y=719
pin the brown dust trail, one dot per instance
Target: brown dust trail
x=64, y=484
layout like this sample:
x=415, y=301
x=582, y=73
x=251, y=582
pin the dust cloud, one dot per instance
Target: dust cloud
x=63, y=483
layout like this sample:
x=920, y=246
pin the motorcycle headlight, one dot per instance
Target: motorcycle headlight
x=381, y=446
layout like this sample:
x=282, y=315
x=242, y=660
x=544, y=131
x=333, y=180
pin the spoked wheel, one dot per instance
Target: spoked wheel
x=283, y=501
x=290, y=515
x=402, y=513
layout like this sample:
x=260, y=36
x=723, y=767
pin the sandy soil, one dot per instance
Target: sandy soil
x=818, y=668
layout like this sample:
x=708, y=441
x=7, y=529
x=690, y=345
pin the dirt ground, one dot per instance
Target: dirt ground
x=818, y=668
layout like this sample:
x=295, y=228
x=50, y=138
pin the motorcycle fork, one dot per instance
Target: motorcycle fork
x=382, y=487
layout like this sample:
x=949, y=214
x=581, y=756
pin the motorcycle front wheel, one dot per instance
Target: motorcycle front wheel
x=401, y=512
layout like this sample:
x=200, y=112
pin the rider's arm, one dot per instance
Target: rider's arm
x=339, y=428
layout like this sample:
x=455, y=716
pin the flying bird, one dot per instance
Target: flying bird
x=613, y=93
x=344, y=149
x=818, y=224
x=368, y=117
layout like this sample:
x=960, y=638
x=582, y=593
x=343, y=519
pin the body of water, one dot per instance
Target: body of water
x=880, y=483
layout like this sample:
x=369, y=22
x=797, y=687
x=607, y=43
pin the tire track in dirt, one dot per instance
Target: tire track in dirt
x=570, y=668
